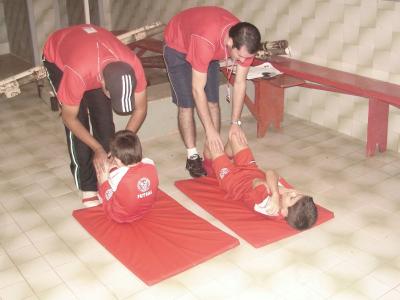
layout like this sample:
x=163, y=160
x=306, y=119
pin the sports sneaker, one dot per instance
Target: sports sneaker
x=194, y=164
x=90, y=199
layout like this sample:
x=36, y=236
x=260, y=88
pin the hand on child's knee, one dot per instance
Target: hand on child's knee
x=213, y=153
x=237, y=143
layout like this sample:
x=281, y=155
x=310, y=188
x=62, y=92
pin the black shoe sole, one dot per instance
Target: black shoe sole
x=196, y=175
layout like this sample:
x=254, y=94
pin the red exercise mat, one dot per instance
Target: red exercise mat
x=256, y=229
x=167, y=241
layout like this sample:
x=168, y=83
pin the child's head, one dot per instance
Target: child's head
x=125, y=146
x=299, y=210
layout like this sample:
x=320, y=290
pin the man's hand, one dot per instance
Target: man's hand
x=237, y=130
x=102, y=167
x=214, y=142
x=100, y=160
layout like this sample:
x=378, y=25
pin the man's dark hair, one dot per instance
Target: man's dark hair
x=303, y=214
x=245, y=34
x=125, y=145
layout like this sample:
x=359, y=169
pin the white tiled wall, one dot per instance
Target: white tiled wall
x=359, y=36
x=4, y=46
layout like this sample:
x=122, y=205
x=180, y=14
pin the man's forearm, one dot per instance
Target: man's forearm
x=199, y=81
x=136, y=120
x=239, y=90
x=202, y=109
x=272, y=181
x=139, y=114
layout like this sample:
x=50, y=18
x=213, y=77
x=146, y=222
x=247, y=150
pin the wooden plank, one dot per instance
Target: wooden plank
x=10, y=86
x=156, y=61
x=351, y=83
x=148, y=44
x=378, y=113
x=141, y=33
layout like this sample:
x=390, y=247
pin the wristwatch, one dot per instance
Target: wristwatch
x=238, y=123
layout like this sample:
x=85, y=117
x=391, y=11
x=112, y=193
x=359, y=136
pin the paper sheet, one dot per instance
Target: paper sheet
x=265, y=70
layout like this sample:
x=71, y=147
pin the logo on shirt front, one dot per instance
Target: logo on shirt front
x=223, y=172
x=109, y=194
x=89, y=29
x=143, y=185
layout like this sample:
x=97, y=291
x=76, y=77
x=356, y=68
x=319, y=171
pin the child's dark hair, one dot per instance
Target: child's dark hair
x=303, y=214
x=125, y=145
x=245, y=34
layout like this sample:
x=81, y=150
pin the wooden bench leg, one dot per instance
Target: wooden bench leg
x=269, y=101
x=378, y=113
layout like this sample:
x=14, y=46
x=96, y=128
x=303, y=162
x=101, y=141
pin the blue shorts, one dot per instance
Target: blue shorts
x=180, y=76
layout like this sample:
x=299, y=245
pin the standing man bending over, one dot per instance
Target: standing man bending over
x=195, y=40
x=87, y=67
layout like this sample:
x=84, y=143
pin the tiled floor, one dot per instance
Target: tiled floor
x=46, y=254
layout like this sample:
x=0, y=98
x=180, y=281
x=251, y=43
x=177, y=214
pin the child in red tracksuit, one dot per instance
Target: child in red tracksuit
x=128, y=184
x=242, y=180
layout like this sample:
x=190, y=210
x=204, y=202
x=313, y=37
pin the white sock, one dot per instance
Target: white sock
x=191, y=152
x=88, y=194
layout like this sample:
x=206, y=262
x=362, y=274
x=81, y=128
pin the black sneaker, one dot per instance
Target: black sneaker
x=194, y=165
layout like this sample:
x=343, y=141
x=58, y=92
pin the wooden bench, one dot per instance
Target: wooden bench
x=268, y=104
x=149, y=45
x=380, y=94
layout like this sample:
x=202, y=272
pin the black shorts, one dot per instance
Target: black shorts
x=180, y=76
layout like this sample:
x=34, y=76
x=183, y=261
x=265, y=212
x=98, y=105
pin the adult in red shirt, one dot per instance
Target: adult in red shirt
x=87, y=67
x=196, y=39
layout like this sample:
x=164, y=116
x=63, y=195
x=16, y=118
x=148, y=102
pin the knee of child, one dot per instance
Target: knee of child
x=236, y=143
x=234, y=140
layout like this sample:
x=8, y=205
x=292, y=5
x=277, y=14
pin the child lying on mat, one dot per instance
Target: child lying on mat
x=244, y=181
x=127, y=183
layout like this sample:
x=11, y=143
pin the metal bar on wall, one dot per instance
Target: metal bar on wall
x=87, y=11
x=32, y=29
